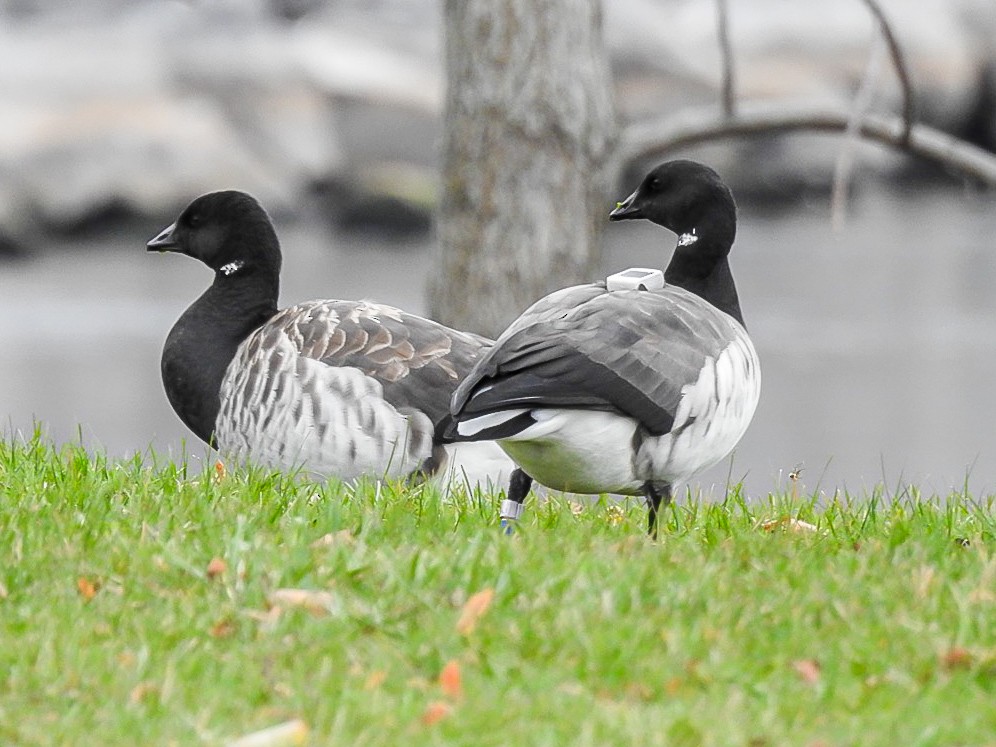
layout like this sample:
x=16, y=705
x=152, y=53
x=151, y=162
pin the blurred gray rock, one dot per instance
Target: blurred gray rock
x=144, y=104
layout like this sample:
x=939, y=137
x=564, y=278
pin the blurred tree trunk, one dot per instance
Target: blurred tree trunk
x=529, y=129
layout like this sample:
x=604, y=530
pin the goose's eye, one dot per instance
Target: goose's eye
x=655, y=184
x=194, y=220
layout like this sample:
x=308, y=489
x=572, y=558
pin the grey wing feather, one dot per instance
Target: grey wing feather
x=625, y=351
x=418, y=362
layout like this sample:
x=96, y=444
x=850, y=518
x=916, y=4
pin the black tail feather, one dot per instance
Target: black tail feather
x=506, y=429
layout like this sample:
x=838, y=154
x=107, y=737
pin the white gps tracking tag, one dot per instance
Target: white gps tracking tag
x=635, y=278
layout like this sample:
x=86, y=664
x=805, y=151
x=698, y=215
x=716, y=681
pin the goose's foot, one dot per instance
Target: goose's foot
x=655, y=498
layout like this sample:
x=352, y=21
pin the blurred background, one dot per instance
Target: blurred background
x=877, y=339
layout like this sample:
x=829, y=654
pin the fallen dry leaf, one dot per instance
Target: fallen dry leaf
x=219, y=470
x=342, y=537
x=473, y=609
x=672, y=686
x=375, y=679
x=3, y=591
x=216, y=567
x=808, y=670
x=316, y=602
x=141, y=692
x=436, y=712
x=639, y=691
x=282, y=735
x=789, y=525
x=981, y=595
x=957, y=658
x=449, y=679
x=267, y=619
x=222, y=629
x=87, y=588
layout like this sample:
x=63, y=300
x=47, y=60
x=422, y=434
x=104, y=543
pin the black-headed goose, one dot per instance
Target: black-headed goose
x=336, y=388
x=630, y=385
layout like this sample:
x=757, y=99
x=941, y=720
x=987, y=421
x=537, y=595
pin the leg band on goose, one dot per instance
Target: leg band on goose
x=511, y=510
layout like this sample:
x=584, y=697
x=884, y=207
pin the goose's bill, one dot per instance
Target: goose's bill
x=626, y=209
x=163, y=241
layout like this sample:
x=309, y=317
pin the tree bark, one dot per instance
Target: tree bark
x=530, y=127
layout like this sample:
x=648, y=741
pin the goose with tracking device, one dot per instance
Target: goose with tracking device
x=336, y=388
x=632, y=385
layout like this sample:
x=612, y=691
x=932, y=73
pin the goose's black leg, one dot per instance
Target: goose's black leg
x=654, y=501
x=511, y=508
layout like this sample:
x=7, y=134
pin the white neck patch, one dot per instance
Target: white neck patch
x=232, y=267
x=687, y=239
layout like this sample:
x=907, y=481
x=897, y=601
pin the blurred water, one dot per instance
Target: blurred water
x=878, y=344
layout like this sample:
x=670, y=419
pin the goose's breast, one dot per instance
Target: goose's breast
x=711, y=418
x=281, y=409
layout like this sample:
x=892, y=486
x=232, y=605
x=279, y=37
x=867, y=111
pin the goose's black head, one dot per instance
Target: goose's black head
x=687, y=198
x=228, y=231
x=691, y=200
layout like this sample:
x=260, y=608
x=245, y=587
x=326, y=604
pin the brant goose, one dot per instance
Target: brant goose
x=630, y=385
x=337, y=388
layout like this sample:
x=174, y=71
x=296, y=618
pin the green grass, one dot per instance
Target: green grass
x=879, y=629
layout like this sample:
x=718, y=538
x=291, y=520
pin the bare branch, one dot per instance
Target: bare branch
x=845, y=158
x=692, y=126
x=726, y=53
x=899, y=63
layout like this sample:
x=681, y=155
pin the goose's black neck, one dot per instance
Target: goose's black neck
x=700, y=263
x=711, y=281
x=205, y=338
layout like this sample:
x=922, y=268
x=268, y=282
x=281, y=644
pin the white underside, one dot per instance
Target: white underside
x=580, y=451
x=586, y=451
x=334, y=422
x=477, y=464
